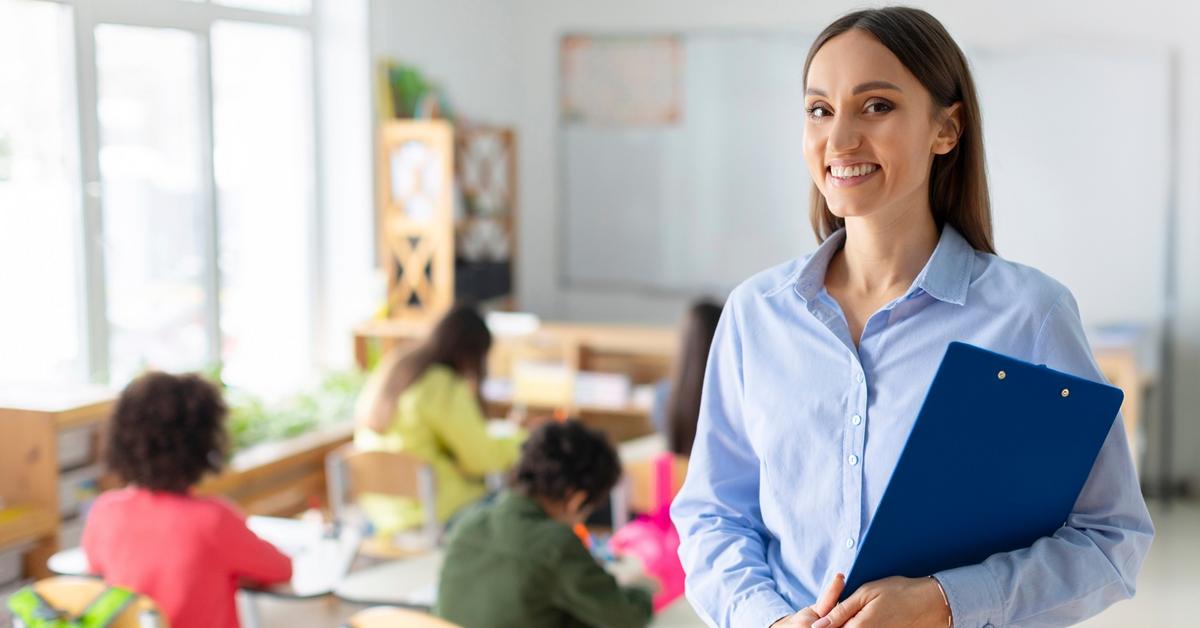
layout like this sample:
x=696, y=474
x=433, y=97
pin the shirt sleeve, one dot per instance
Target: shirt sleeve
x=463, y=429
x=722, y=535
x=1093, y=560
x=591, y=595
x=246, y=555
x=91, y=542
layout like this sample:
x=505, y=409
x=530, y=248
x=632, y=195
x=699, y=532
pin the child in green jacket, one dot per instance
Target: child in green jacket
x=516, y=563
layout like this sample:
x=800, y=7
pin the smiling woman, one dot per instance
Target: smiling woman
x=940, y=109
x=819, y=366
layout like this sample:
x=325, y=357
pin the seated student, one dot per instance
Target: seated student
x=677, y=401
x=426, y=402
x=187, y=553
x=516, y=563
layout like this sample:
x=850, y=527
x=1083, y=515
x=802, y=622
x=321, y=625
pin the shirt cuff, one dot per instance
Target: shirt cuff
x=975, y=600
x=759, y=609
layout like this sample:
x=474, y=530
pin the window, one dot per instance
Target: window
x=261, y=82
x=154, y=206
x=193, y=135
x=277, y=6
x=41, y=320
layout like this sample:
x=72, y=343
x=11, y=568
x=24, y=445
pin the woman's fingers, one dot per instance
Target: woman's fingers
x=829, y=599
x=801, y=619
x=808, y=616
x=842, y=613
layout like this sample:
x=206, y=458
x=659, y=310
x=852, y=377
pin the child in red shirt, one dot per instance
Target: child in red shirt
x=185, y=552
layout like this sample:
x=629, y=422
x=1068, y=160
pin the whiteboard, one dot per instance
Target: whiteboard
x=701, y=205
x=1077, y=144
x=1078, y=159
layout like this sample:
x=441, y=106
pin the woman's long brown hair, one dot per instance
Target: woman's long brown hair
x=683, y=403
x=460, y=340
x=958, y=189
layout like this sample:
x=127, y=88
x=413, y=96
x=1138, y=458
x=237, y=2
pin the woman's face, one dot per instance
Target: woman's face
x=872, y=130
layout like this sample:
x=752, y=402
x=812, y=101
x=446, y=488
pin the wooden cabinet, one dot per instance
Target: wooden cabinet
x=47, y=437
x=40, y=432
x=433, y=253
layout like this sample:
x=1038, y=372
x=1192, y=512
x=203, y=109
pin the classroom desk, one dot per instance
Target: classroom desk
x=318, y=563
x=412, y=583
x=408, y=583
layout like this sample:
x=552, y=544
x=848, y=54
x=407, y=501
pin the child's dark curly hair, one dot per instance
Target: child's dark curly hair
x=561, y=458
x=167, y=431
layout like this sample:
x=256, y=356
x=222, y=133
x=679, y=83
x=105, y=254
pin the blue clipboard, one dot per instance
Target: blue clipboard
x=995, y=460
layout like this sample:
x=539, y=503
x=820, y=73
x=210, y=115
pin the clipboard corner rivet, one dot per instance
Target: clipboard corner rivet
x=1001, y=375
x=1066, y=393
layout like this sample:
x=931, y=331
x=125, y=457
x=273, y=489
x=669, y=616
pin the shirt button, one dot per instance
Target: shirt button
x=858, y=377
x=853, y=459
x=856, y=420
x=850, y=544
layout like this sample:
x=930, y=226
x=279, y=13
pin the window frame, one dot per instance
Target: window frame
x=197, y=18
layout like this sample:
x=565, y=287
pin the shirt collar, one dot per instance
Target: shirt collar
x=946, y=276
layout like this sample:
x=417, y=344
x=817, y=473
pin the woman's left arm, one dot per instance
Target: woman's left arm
x=1088, y=564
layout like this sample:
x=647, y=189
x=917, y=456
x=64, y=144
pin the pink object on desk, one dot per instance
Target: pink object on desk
x=653, y=540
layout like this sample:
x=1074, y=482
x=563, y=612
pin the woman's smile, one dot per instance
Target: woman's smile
x=844, y=175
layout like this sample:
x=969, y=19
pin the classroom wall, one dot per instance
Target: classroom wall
x=515, y=53
x=466, y=46
x=349, y=285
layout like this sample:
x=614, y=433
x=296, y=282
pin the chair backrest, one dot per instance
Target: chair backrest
x=350, y=472
x=390, y=617
x=73, y=594
x=384, y=472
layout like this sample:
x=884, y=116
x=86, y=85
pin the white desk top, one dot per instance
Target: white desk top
x=318, y=563
x=412, y=583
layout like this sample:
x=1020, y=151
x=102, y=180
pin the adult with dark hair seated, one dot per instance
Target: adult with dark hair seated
x=187, y=553
x=517, y=562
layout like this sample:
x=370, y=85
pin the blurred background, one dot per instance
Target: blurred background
x=274, y=192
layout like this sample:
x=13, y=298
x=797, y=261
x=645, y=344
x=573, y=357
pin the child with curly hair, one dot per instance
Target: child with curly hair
x=517, y=563
x=187, y=553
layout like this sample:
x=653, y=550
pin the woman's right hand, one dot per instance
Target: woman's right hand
x=805, y=617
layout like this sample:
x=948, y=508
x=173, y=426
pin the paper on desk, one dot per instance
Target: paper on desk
x=291, y=536
x=320, y=567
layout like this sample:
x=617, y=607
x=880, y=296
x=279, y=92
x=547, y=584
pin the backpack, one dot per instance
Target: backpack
x=31, y=610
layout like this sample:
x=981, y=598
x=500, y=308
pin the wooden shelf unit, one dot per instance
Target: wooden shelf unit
x=432, y=253
x=280, y=478
x=32, y=425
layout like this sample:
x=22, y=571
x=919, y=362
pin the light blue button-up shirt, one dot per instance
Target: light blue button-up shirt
x=799, y=432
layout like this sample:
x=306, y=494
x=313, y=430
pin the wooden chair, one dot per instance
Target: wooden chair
x=350, y=472
x=391, y=617
x=73, y=594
